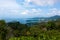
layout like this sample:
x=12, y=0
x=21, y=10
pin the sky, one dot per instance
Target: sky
x=29, y=8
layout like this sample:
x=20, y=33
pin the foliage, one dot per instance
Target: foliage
x=49, y=30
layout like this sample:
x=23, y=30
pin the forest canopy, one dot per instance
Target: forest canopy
x=41, y=30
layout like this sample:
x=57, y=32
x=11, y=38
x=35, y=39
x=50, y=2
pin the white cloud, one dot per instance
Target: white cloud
x=27, y=1
x=37, y=10
x=58, y=12
x=31, y=13
x=9, y=8
x=43, y=2
x=8, y=4
x=25, y=12
x=53, y=11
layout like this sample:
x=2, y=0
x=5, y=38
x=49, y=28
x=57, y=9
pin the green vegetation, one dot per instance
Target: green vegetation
x=49, y=30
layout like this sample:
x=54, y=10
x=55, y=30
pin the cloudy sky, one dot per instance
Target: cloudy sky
x=29, y=8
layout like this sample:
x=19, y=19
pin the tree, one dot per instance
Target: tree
x=18, y=28
x=3, y=30
x=35, y=30
x=50, y=25
x=57, y=22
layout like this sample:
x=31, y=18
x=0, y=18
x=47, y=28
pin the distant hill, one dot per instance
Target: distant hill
x=32, y=20
x=39, y=19
x=55, y=17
